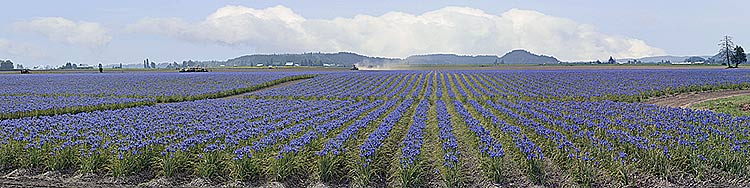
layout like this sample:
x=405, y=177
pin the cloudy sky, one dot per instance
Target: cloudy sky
x=52, y=32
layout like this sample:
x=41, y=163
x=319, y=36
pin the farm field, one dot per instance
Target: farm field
x=49, y=94
x=418, y=128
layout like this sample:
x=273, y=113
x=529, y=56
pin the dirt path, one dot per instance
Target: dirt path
x=29, y=182
x=686, y=99
x=272, y=87
x=37, y=178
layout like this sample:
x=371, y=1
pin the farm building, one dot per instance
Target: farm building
x=688, y=63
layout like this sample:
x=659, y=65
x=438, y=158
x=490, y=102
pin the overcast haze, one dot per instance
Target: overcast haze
x=53, y=32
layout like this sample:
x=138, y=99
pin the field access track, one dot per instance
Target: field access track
x=685, y=100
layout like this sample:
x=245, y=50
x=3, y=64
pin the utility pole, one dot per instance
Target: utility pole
x=727, y=45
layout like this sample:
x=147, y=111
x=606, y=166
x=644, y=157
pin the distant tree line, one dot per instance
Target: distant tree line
x=6, y=65
x=191, y=63
x=70, y=65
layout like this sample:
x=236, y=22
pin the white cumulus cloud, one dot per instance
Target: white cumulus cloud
x=15, y=49
x=396, y=34
x=81, y=33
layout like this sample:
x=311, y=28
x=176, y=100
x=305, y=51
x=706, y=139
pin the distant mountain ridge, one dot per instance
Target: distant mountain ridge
x=512, y=57
x=661, y=59
x=348, y=59
x=308, y=59
x=714, y=59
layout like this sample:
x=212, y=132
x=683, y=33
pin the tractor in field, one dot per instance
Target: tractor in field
x=194, y=69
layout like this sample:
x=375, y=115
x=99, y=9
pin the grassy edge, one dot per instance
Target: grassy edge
x=730, y=105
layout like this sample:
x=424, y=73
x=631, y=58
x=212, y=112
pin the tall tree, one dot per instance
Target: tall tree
x=739, y=56
x=611, y=60
x=725, y=50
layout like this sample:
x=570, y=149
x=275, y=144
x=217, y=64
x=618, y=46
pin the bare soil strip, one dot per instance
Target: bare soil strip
x=27, y=182
x=267, y=88
x=684, y=100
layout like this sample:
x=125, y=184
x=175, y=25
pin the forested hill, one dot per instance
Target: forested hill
x=348, y=59
x=513, y=57
x=525, y=57
x=308, y=59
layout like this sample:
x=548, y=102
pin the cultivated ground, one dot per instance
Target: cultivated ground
x=38, y=178
x=241, y=95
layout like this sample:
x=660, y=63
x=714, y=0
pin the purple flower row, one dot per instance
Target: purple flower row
x=344, y=115
x=412, y=145
x=508, y=83
x=205, y=125
x=26, y=103
x=450, y=143
x=140, y=84
x=335, y=144
x=382, y=132
x=488, y=145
